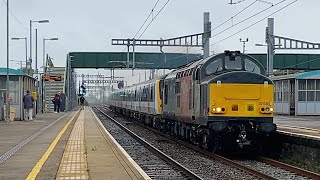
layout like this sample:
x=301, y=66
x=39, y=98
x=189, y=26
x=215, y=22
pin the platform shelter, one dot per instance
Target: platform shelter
x=297, y=94
x=18, y=85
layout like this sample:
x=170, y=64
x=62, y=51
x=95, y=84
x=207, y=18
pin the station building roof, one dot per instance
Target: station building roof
x=13, y=72
x=3, y=71
x=305, y=75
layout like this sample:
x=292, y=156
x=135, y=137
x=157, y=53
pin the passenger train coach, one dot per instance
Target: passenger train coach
x=223, y=102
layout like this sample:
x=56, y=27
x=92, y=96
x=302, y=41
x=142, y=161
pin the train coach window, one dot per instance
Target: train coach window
x=191, y=71
x=251, y=66
x=233, y=64
x=213, y=67
x=177, y=87
x=188, y=72
x=135, y=95
x=197, y=74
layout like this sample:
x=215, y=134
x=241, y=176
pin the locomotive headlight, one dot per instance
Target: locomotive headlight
x=213, y=109
x=271, y=109
x=218, y=109
x=267, y=109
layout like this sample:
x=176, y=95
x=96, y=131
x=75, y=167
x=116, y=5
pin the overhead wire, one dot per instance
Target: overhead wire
x=245, y=20
x=151, y=12
x=15, y=17
x=256, y=22
x=249, y=18
x=146, y=18
x=154, y=18
x=243, y=28
x=234, y=15
x=18, y=21
x=226, y=21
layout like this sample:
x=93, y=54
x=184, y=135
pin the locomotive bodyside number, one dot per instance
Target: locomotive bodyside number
x=264, y=103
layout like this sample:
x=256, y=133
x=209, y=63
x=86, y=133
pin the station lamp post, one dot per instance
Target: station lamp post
x=31, y=21
x=44, y=50
x=8, y=75
x=45, y=67
x=26, y=46
x=18, y=62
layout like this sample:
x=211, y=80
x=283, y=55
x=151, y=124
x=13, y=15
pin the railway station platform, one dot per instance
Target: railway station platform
x=302, y=126
x=68, y=145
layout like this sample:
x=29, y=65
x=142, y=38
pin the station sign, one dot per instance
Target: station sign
x=51, y=78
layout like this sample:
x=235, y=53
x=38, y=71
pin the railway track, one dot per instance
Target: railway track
x=204, y=167
x=290, y=168
x=154, y=162
x=285, y=171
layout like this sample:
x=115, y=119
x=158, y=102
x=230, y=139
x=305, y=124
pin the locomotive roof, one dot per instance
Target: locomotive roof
x=140, y=84
x=191, y=65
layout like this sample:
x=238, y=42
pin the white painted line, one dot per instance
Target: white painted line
x=300, y=135
x=291, y=118
x=139, y=169
x=296, y=127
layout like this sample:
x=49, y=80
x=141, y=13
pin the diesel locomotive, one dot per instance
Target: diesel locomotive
x=223, y=103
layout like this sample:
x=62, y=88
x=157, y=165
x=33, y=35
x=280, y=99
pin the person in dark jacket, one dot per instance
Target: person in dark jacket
x=28, y=105
x=62, y=101
x=82, y=102
x=56, y=103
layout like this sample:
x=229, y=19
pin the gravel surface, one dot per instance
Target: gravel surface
x=151, y=164
x=201, y=165
x=270, y=170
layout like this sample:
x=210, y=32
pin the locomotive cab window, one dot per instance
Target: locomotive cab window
x=214, y=66
x=251, y=66
x=233, y=63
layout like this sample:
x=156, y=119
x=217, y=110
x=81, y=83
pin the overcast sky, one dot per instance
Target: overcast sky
x=90, y=25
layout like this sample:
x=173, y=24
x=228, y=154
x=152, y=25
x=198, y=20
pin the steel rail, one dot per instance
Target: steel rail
x=216, y=157
x=211, y=155
x=152, y=148
x=290, y=168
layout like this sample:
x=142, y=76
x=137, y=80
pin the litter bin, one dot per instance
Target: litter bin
x=12, y=113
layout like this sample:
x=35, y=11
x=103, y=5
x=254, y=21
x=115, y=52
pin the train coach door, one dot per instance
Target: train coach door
x=196, y=94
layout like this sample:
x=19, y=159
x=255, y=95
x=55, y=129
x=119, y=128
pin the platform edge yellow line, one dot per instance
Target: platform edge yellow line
x=36, y=169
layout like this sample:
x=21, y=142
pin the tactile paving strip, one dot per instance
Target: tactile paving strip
x=74, y=163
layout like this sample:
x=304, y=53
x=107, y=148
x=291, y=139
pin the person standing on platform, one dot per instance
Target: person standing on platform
x=56, y=103
x=28, y=106
x=82, y=102
x=63, y=102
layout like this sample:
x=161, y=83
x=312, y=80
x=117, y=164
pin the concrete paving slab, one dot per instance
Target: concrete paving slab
x=299, y=121
x=21, y=163
x=105, y=159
